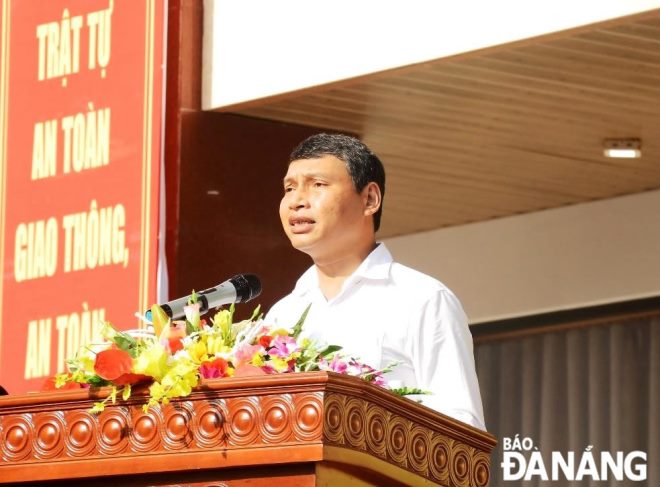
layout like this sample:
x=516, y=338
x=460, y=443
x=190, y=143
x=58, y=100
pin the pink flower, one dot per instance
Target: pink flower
x=283, y=346
x=246, y=353
x=370, y=374
x=248, y=371
x=268, y=369
x=337, y=365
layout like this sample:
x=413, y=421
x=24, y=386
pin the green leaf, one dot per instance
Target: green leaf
x=126, y=343
x=126, y=392
x=406, y=391
x=329, y=350
x=193, y=298
x=96, y=381
x=298, y=328
x=190, y=328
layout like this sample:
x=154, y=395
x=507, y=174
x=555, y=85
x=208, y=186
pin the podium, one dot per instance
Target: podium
x=306, y=429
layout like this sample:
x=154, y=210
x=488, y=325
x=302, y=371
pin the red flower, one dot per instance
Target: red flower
x=215, y=369
x=265, y=340
x=131, y=378
x=174, y=344
x=172, y=335
x=112, y=363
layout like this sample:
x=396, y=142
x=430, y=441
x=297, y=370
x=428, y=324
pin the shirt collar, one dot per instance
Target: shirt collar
x=375, y=267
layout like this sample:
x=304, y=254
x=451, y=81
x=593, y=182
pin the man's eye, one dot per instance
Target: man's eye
x=288, y=189
x=318, y=184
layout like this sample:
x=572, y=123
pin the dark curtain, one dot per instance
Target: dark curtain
x=567, y=390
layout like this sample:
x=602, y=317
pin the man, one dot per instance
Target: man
x=378, y=310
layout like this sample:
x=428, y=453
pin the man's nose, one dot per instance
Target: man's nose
x=298, y=198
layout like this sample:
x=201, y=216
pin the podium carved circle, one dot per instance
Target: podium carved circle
x=80, y=433
x=208, y=424
x=376, y=429
x=439, y=452
x=397, y=434
x=242, y=427
x=309, y=417
x=277, y=415
x=16, y=438
x=419, y=446
x=81, y=429
x=177, y=426
x=460, y=465
x=334, y=407
x=177, y=419
x=49, y=429
x=481, y=472
x=113, y=431
x=355, y=420
x=275, y=419
x=144, y=435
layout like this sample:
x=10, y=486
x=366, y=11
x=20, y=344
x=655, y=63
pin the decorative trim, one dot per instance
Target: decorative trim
x=272, y=415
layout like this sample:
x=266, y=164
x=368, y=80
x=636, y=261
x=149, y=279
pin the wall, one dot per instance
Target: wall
x=594, y=253
x=223, y=181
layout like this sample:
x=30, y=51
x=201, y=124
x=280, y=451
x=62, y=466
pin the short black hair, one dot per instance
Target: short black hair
x=363, y=165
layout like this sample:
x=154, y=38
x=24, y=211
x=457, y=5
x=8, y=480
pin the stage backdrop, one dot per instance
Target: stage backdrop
x=80, y=150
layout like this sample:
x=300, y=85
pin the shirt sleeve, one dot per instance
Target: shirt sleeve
x=443, y=359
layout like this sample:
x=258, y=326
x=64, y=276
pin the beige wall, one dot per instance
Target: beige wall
x=581, y=255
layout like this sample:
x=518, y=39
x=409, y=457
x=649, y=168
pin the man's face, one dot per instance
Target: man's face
x=321, y=212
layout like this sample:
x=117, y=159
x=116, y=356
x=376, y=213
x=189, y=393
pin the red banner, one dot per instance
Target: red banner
x=81, y=117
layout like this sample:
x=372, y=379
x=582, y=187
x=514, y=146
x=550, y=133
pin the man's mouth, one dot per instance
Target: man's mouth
x=301, y=224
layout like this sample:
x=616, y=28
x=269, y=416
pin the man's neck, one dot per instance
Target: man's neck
x=333, y=272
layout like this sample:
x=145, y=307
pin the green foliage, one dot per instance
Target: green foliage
x=299, y=326
x=407, y=391
x=126, y=342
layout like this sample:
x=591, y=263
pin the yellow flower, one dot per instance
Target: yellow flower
x=279, y=364
x=216, y=345
x=257, y=360
x=86, y=364
x=198, y=352
x=152, y=362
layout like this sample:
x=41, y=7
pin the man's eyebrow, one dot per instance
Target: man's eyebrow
x=308, y=175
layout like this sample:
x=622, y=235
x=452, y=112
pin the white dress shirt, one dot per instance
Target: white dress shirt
x=387, y=312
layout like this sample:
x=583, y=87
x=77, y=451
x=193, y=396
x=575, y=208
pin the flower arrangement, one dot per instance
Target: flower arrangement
x=172, y=357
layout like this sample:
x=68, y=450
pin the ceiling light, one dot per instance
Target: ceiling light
x=622, y=148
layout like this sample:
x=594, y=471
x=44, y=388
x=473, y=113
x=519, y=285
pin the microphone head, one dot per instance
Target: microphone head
x=248, y=286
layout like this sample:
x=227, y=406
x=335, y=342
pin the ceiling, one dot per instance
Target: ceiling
x=507, y=130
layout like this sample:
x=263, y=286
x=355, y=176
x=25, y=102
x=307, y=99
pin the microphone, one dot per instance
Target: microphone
x=238, y=289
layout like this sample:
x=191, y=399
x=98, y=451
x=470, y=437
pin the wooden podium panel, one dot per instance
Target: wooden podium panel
x=308, y=429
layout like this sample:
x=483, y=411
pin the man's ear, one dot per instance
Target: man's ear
x=372, y=198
